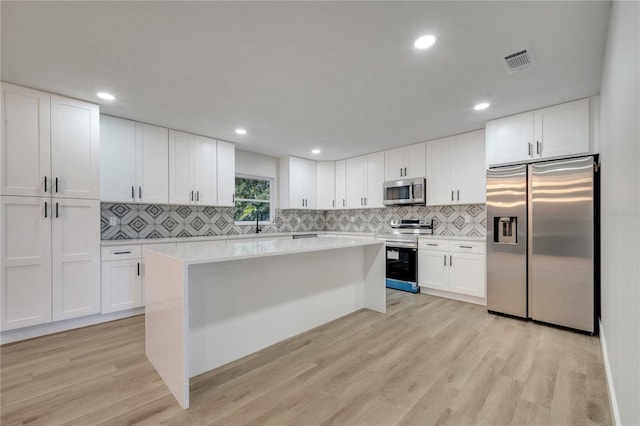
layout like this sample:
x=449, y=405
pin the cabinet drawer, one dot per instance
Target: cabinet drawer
x=121, y=252
x=462, y=246
x=430, y=244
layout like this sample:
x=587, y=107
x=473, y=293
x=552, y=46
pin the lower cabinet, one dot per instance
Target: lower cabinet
x=50, y=257
x=452, y=266
x=121, y=278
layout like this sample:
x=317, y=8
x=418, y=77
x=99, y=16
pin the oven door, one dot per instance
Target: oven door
x=402, y=266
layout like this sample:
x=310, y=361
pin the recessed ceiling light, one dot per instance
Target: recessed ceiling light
x=424, y=42
x=106, y=96
x=315, y=151
x=241, y=131
x=481, y=106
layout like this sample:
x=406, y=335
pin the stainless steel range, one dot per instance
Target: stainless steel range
x=402, y=252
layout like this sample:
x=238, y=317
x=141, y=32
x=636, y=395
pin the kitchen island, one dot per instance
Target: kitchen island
x=210, y=304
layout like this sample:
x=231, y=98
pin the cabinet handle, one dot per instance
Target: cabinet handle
x=133, y=193
x=122, y=252
x=45, y=184
x=45, y=209
x=432, y=244
x=191, y=195
x=400, y=171
x=57, y=215
x=365, y=201
x=140, y=193
x=529, y=143
x=333, y=203
x=233, y=198
x=445, y=260
x=361, y=201
x=303, y=202
x=343, y=202
x=450, y=260
x=538, y=147
x=469, y=247
x=197, y=195
x=458, y=195
x=56, y=185
x=452, y=195
x=138, y=268
x=405, y=171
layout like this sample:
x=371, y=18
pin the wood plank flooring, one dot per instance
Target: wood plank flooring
x=427, y=361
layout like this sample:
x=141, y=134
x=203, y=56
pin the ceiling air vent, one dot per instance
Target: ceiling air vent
x=518, y=61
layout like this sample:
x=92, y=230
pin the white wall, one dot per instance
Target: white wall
x=620, y=178
x=254, y=164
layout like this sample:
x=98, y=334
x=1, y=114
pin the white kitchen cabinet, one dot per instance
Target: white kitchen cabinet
x=326, y=181
x=557, y=131
x=341, y=184
x=192, y=169
x=456, y=169
x=226, y=173
x=75, y=248
x=405, y=162
x=25, y=146
x=298, y=184
x=453, y=267
x=121, y=278
x=134, y=161
x=75, y=148
x=365, y=177
x=25, y=256
x=50, y=145
x=50, y=259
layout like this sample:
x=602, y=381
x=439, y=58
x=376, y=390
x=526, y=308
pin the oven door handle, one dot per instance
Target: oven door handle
x=401, y=244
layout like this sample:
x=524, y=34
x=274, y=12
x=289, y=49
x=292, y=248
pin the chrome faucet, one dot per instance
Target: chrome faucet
x=258, y=229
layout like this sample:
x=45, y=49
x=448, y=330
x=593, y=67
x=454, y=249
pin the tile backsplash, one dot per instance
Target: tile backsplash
x=164, y=221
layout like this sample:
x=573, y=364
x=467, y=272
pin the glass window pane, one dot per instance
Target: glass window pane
x=253, y=189
x=245, y=211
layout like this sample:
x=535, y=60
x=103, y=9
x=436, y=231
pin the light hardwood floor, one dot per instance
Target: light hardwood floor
x=427, y=361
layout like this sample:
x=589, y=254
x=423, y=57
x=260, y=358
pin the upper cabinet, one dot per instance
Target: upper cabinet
x=297, y=183
x=405, y=162
x=226, y=169
x=192, y=169
x=556, y=131
x=326, y=185
x=135, y=159
x=365, y=176
x=456, y=169
x=50, y=145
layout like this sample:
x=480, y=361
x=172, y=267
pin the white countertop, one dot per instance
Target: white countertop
x=191, y=254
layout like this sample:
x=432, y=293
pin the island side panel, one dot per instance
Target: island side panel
x=239, y=307
x=166, y=322
x=375, y=295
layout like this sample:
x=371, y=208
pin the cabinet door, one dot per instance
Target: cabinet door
x=75, y=148
x=440, y=164
x=470, y=173
x=25, y=259
x=226, y=173
x=416, y=161
x=375, y=180
x=326, y=188
x=468, y=274
x=432, y=270
x=25, y=157
x=562, y=130
x=121, y=285
x=510, y=139
x=395, y=160
x=75, y=252
x=152, y=164
x=181, y=168
x=117, y=159
x=205, y=162
x=341, y=184
x=356, y=178
x=302, y=183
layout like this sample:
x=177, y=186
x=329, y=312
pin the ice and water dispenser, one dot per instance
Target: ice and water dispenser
x=505, y=229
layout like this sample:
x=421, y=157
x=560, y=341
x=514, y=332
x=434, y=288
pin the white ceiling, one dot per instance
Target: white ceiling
x=341, y=76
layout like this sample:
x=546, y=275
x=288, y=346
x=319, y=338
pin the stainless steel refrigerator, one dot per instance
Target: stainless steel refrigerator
x=542, y=239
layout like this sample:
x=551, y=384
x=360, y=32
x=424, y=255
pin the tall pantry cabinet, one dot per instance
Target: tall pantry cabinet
x=49, y=208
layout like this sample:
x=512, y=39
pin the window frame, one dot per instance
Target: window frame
x=270, y=200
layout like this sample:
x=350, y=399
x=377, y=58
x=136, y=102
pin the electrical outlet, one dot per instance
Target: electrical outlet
x=113, y=221
x=467, y=218
x=353, y=219
x=299, y=221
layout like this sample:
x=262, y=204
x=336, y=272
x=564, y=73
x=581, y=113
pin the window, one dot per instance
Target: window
x=253, y=199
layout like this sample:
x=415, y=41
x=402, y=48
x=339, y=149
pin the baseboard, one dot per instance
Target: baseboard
x=613, y=402
x=455, y=296
x=25, y=333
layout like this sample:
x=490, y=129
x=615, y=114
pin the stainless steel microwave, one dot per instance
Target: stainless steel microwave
x=403, y=192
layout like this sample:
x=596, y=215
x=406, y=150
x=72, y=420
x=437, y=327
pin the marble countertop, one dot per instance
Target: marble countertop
x=192, y=254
